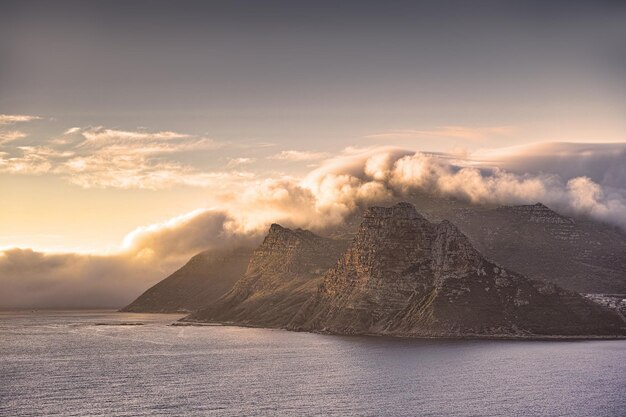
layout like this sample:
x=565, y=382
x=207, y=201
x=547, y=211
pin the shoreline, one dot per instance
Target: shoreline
x=181, y=323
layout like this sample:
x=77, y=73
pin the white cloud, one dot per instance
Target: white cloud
x=9, y=119
x=235, y=162
x=369, y=175
x=99, y=157
x=10, y=136
x=604, y=163
x=35, y=279
x=72, y=130
x=32, y=160
x=299, y=156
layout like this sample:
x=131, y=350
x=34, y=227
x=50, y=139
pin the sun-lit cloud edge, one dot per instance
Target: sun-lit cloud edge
x=9, y=119
x=98, y=157
x=298, y=156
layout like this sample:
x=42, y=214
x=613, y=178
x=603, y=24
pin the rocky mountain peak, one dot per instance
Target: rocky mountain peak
x=276, y=228
x=452, y=250
x=399, y=211
x=389, y=238
x=538, y=213
x=392, y=242
x=284, y=249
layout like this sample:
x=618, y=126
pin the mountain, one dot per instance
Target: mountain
x=577, y=254
x=206, y=277
x=284, y=271
x=402, y=275
x=406, y=276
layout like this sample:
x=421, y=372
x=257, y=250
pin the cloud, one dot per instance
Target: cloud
x=324, y=197
x=604, y=163
x=72, y=130
x=10, y=136
x=9, y=119
x=142, y=173
x=70, y=280
x=187, y=234
x=235, y=162
x=298, y=156
x=99, y=157
x=359, y=178
x=7, y=136
x=35, y=279
x=33, y=160
x=475, y=134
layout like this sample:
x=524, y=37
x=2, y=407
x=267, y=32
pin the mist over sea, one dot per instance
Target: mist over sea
x=84, y=363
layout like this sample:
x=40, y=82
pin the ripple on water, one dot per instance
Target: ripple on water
x=65, y=364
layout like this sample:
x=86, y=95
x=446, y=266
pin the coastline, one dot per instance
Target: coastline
x=534, y=337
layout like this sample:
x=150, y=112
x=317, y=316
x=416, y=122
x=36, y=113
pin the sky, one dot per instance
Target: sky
x=124, y=125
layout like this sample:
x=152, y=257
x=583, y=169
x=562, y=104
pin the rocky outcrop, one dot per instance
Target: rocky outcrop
x=206, y=277
x=284, y=271
x=406, y=276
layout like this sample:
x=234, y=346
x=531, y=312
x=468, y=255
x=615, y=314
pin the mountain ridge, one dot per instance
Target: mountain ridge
x=403, y=275
x=203, y=279
x=283, y=271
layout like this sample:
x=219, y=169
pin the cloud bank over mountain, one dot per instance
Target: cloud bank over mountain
x=575, y=179
x=522, y=178
x=73, y=280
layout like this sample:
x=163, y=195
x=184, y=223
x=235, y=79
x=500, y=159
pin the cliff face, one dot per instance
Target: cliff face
x=206, y=277
x=405, y=276
x=580, y=254
x=284, y=271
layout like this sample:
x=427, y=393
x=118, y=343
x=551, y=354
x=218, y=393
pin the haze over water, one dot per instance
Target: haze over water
x=86, y=363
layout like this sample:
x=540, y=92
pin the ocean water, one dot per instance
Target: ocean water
x=89, y=364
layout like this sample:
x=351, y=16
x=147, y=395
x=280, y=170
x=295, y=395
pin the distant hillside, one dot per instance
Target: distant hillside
x=206, y=277
x=578, y=254
x=283, y=273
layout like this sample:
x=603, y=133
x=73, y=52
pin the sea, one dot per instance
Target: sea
x=105, y=363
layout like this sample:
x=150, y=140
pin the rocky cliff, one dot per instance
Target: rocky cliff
x=206, y=277
x=577, y=254
x=406, y=276
x=284, y=271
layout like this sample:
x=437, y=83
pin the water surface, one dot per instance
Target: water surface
x=86, y=363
